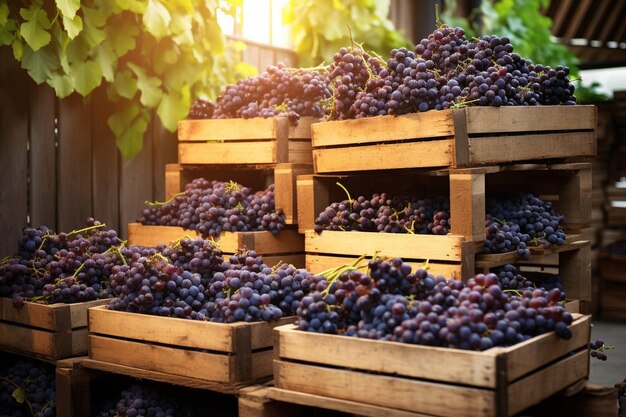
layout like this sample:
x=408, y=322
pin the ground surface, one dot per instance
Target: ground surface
x=613, y=370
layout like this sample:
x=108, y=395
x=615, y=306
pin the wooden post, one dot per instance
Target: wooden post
x=172, y=180
x=575, y=271
x=467, y=205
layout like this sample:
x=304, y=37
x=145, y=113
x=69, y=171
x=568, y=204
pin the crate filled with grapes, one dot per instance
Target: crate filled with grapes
x=229, y=214
x=47, y=286
x=281, y=176
x=389, y=328
x=218, y=313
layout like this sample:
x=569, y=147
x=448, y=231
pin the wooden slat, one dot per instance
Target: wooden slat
x=436, y=153
x=43, y=169
x=227, y=129
x=287, y=241
x=597, y=19
x=162, y=359
x=345, y=406
x=296, y=260
x=136, y=179
x=285, y=191
x=546, y=382
x=75, y=163
x=319, y=263
x=488, y=150
x=164, y=152
x=57, y=317
x=573, y=26
x=13, y=148
x=300, y=152
x=227, y=153
x=444, y=364
x=559, y=18
x=172, y=181
x=467, y=205
x=572, y=243
x=33, y=341
x=410, y=395
x=530, y=119
x=313, y=197
x=106, y=163
x=608, y=28
x=575, y=268
x=442, y=248
x=378, y=129
x=303, y=129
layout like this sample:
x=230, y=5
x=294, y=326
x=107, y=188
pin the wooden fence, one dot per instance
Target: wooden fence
x=59, y=163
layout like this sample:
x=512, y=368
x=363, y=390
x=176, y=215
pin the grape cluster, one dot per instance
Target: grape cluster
x=213, y=207
x=279, y=91
x=392, y=303
x=510, y=279
x=192, y=280
x=446, y=70
x=33, y=381
x=598, y=349
x=389, y=214
x=139, y=400
x=201, y=109
x=61, y=267
x=520, y=222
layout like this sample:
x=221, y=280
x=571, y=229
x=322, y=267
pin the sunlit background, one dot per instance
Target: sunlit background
x=258, y=21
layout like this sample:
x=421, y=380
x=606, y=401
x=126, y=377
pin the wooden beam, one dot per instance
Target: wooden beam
x=574, y=24
x=559, y=16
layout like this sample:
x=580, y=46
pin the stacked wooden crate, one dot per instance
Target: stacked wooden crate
x=253, y=152
x=469, y=154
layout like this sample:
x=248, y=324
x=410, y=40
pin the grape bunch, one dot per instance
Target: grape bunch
x=192, y=280
x=279, y=91
x=35, y=383
x=213, y=207
x=519, y=222
x=392, y=303
x=388, y=214
x=598, y=349
x=510, y=279
x=61, y=267
x=139, y=400
x=201, y=109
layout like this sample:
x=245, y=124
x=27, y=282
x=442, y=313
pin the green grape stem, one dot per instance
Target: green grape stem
x=161, y=203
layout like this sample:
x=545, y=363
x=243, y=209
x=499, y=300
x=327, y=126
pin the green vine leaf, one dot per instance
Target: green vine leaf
x=135, y=6
x=173, y=107
x=149, y=86
x=18, y=48
x=4, y=14
x=73, y=26
x=107, y=60
x=40, y=64
x=7, y=33
x=62, y=84
x=125, y=85
x=122, y=38
x=19, y=394
x=85, y=76
x=68, y=7
x=34, y=29
x=157, y=19
x=129, y=127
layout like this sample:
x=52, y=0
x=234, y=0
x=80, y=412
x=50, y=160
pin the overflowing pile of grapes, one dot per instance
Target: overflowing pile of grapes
x=139, y=400
x=392, y=303
x=444, y=70
x=28, y=388
x=514, y=223
x=213, y=207
x=192, y=280
x=61, y=267
x=509, y=278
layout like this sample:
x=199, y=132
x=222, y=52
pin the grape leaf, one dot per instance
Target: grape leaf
x=86, y=76
x=68, y=8
x=7, y=32
x=174, y=107
x=122, y=38
x=73, y=26
x=129, y=126
x=135, y=6
x=4, y=14
x=18, y=48
x=106, y=59
x=62, y=84
x=40, y=64
x=34, y=29
x=125, y=85
x=156, y=19
x=19, y=394
x=149, y=86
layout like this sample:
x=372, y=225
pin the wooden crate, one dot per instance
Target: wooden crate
x=218, y=352
x=434, y=381
x=612, y=300
x=593, y=400
x=283, y=176
x=455, y=138
x=288, y=246
x=245, y=141
x=48, y=332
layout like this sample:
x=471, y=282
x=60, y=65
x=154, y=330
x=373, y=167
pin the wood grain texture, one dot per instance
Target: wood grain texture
x=51, y=345
x=227, y=153
x=227, y=129
x=285, y=191
x=173, y=185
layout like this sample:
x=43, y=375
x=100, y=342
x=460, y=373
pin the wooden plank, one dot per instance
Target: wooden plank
x=227, y=129
x=613, y=299
x=43, y=169
x=392, y=358
x=287, y=241
x=575, y=269
x=436, y=153
x=614, y=315
x=164, y=152
x=185, y=381
x=296, y=260
x=285, y=188
x=524, y=358
x=253, y=402
x=106, y=163
x=13, y=148
x=489, y=150
x=345, y=406
x=136, y=179
x=303, y=129
x=366, y=388
x=575, y=198
x=378, y=129
x=227, y=153
x=467, y=205
x=572, y=243
x=546, y=382
x=28, y=340
x=173, y=185
x=162, y=359
x=319, y=263
x=75, y=198
x=530, y=119
x=441, y=248
x=299, y=152
x=57, y=317
x=313, y=197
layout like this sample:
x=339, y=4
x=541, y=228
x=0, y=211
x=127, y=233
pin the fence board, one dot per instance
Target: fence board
x=13, y=151
x=106, y=163
x=43, y=170
x=75, y=161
